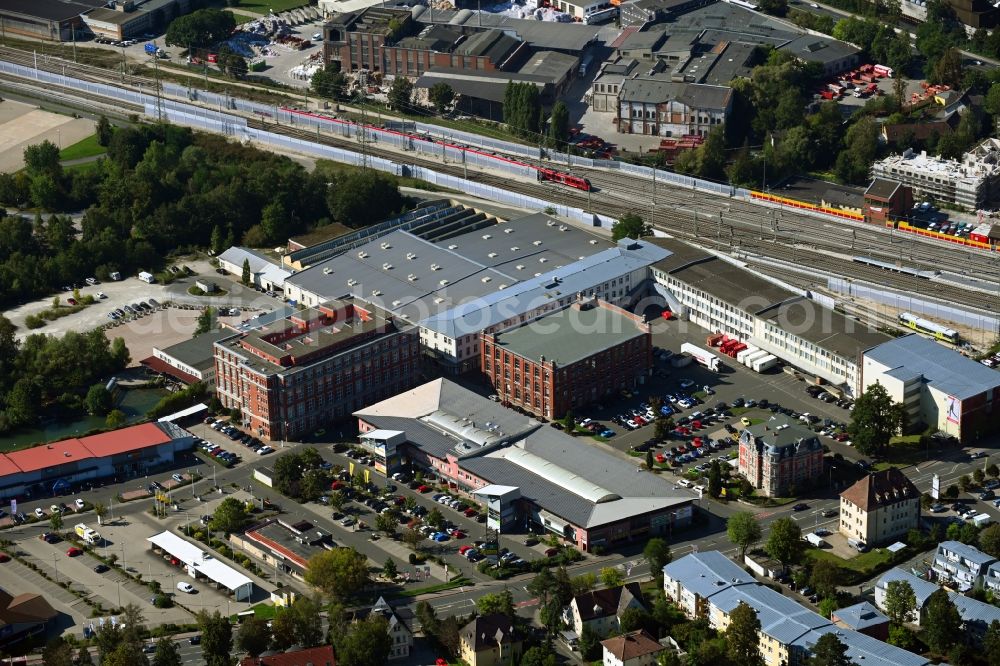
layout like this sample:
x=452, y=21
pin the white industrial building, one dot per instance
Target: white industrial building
x=264, y=273
x=724, y=297
x=970, y=182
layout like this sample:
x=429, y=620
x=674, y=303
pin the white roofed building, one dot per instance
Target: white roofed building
x=203, y=566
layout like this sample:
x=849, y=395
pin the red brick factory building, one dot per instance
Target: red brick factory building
x=568, y=359
x=295, y=374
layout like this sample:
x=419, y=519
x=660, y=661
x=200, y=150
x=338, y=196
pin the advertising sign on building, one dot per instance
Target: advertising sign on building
x=954, y=409
x=936, y=487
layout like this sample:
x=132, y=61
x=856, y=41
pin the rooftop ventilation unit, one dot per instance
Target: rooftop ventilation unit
x=411, y=256
x=563, y=227
x=452, y=247
x=492, y=255
x=438, y=300
x=385, y=246
x=327, y=270
x=519, y=267
x=542, y=260
x=538, y=275
x=508, y=231
x=550, y=223
x=593, y=241
x=487, y=279
x=502, y=286
x=536, y=243
x=514, y=248
x=376, y=292
x=435, y=267
x=351, y=282
x=362, y=255
x=411, y=277
x=443, y=282
x=395, y=304
x=386, y=266
x=487, y=237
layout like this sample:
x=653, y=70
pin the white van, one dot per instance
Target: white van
x=858, y=545
x=815, y=540
x=146, y=277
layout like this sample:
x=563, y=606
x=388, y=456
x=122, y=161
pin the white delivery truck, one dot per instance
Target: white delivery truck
x=705, y=358
x=748, y=360
x=146, y=277
x=87, y=534
x=741, y=355
x=765, y=363
x=982, y=520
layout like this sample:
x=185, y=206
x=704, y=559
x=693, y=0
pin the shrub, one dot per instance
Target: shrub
x=34, y=321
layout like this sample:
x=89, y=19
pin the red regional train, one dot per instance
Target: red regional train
x=543, y=173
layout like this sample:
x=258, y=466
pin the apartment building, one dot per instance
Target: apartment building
x=490, y=640
x=880, y=508
x=708, y=585
x=659, y=106
x=961, y=566
x=569, y=358
x=291, y=376
x=969, y=183
x=780, y=456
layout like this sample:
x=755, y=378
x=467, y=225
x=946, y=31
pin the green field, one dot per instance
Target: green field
x=86, y=148
x=242, y=18
x=278, y=6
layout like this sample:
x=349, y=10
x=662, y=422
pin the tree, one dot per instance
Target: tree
x=657, y=555
x=340, y=572
x=943, y=624
x=205, y=321
x=104, y=131
x=167, y=653
x=83, y=657
x=742, y=637
x=540, y=655
x=948, y=68
x=829, y=650
x=42, y=159
x=307, y=623
x=99, y=400
x=100, y=511
x=386, y=523
x=434, y=518
x=632, y=619
x=875, y=418
x=612, y=577
x=401, y=94
x=367, y=642
x=428, y=620
x=588, y=643
x=389, y=569
x=965, y=483
x=498, y=602
x=583, y=583
x=216, y=638
x=559, y=125
x=978, y=476
x=522, y=108
x=441, y=95
x=630, y=225
x=412, y=538
x=329, y=82
x=991, y=644
x=743, y=530
x=785, y=541
x=649, y=459
x=115, y=419
x=247, y=276
x=359, y=198
x=715, y=479
x=900, y=602
x=989, y=540
x=230, y=516
x=662, y=426
x=774, y=7
x=202, y=29
x=992, y=470
x=825, y=577
x=56, y=521
x=951, y=492
x=253, y=637
x=57, y=653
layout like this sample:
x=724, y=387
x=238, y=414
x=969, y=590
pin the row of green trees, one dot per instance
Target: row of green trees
x=40, y=371
x=163, y=188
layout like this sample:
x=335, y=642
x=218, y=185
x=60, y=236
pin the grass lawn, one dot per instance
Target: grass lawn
x=441, y=587
x=864, y=563
x=82, y=166
x=265, y=611
x=86, y=148
x=242, y=18
x=278, y=6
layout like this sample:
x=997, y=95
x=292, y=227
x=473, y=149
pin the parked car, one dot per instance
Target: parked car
x=801, y=506
x=73, y=551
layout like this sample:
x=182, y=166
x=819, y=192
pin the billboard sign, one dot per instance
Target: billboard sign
x=954, y=406
x=936, y=487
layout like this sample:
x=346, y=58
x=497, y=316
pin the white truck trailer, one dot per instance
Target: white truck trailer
x=705, y=358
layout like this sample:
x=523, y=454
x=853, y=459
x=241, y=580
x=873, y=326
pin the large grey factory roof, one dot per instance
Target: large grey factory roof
x=824, y=327
x=199, y=351
x=576, y=483
x=51, y=10
x=944, y=369
x=543, y=34
x=730, y=283
x=479, y=314
x=659, y=88
x=813, y=48
x=571, y=334
x=412, y=284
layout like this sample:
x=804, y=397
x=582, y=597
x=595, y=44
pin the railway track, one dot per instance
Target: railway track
x=725, y=223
